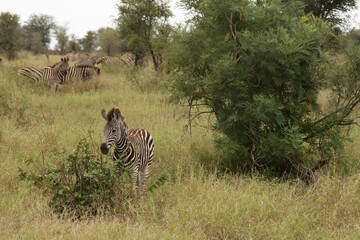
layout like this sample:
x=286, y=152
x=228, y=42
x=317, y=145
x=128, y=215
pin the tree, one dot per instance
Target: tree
x=259, y=69
x=41, y=24
x=108, y=40
x=74, y=45
x=36, y=44
x=61, y=38
x=329, y=10
x=88, y=43
x=9, y=33
x=139, y=23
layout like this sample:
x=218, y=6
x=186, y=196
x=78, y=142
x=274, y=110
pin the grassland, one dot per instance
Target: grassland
x=196, y=203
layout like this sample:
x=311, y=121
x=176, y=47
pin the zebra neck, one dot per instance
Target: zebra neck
x=123, y=149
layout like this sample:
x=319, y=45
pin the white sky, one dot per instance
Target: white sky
x=80, y=16
x=83, y=15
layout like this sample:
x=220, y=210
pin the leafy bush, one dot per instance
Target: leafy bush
x=258, y=67
x=84, y=182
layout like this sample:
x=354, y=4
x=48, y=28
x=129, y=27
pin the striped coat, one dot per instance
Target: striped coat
x=54, y=74
x=134, y=148
x=84, y=72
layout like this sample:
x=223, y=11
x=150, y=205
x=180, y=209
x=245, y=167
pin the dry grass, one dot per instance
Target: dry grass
x=194, y=204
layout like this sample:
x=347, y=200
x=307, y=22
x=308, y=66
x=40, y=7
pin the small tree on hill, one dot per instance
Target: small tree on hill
x=259, y=67
x=139, y=23
x=62, y=38
x=9, y=33
x=88, y=43
x=109, y=40
x=41, y=25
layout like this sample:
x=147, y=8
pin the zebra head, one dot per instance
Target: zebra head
x=62, y=67
x=114, y=130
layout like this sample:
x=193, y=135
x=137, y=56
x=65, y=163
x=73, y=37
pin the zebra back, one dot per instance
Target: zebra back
x=33, y=73
x=82, y=72
x=112, y=60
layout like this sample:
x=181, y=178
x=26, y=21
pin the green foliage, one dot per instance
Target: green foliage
x=82, y=184
x=143, y=25
x=9, y=33
x=259, y=69
x=329, y=10
x=61, y=38
x=73, y=44
x=88, y=43
x=40, y=25
x=354, y=37
x=109, y=40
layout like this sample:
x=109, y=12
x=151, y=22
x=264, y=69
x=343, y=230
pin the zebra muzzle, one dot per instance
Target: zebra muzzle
x=104, y=148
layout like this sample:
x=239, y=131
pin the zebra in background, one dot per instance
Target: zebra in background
x=112, y=60
x=82, y=72
x=0, y=62
x=134, y=148
x=86, y=60
x=53, y=74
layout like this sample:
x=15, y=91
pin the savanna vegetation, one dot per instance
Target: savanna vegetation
x=253, y=107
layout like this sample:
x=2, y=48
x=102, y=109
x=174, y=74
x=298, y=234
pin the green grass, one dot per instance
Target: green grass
x=196, y=203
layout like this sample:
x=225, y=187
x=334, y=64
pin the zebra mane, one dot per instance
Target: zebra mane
x=52, y=66
x=110, y=113
x=90, y=66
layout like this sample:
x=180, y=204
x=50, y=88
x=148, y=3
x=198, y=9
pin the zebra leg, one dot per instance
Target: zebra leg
x=55, y=88
x=134, y=179
x=143, y=176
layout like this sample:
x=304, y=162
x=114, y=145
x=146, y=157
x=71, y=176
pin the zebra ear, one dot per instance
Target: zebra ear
x=117, y=113
x=103, y=114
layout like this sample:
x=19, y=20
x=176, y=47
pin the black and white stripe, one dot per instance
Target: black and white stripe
x=56, y=73
x=134, y=148
x=83, y=72
x=33, y=73
x=86, y=60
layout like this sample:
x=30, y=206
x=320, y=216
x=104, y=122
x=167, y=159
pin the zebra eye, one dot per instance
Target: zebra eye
x=113, y=131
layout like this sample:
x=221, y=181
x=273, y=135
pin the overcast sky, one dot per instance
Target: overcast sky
x=79, y=15
x=84, y=15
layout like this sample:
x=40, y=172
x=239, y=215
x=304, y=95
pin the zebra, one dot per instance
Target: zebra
x=86, y=60
x=134, y=148
x=56, y=73
x=34, y=73
x=82, y=72
x=112, y=60
x=0, y=62
x=53, y=74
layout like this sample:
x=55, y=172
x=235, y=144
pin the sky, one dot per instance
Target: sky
x=81, y=16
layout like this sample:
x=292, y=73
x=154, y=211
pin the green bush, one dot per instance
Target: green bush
x=83, y=183
x=258, y=67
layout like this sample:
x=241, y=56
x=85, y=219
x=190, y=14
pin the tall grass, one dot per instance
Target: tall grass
x=196, y=203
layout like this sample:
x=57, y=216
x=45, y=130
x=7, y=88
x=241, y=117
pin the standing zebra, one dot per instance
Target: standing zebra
x=54, y=74
x=134, y=148
x=83, y=72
